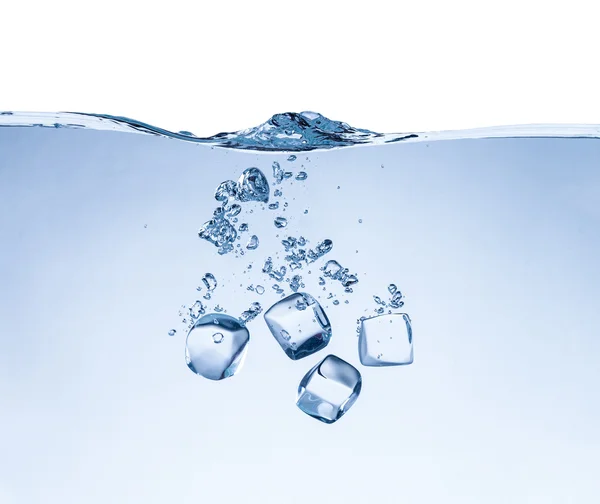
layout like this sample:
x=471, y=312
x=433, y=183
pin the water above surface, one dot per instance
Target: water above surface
x=490, y=246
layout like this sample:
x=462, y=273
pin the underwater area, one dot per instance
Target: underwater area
x=301, y=311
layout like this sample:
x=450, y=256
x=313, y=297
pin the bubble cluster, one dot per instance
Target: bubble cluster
x=336, y=271
x=297, y=321
x=252, y=185
x=251, y=313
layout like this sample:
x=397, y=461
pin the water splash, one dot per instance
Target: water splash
x=291, y=131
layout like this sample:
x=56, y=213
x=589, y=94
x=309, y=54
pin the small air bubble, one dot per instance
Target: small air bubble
x=209, y=281
x=280, y=222
x=253, y=243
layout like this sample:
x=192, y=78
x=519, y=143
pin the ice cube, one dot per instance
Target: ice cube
x=329, y=389
x=308, y=329
x=386, y=340
x=216, y=346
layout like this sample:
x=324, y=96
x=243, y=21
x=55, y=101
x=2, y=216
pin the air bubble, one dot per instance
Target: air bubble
x=280, y=222
x=253, y=186
x=209, y=281
x=253, y=243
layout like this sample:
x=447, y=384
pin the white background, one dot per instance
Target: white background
x=387, y=66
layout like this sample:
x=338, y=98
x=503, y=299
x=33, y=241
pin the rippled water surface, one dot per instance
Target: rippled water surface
x=467, y=268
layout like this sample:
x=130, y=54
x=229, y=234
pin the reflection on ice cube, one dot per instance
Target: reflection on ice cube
x=216, y=346
x=386, y=340
x=299, y=325
x=329, y=389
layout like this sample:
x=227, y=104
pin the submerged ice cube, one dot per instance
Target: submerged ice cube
x=299, y=331
x=386, y=340
x=216, y=346
x=329, y=389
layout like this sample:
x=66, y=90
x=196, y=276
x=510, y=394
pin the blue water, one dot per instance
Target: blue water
x=493, y=244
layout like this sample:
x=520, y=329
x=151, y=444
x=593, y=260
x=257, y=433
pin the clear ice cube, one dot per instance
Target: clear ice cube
x=329, y=389
x=386, y=340
x=216, y=346
x=299, y=331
